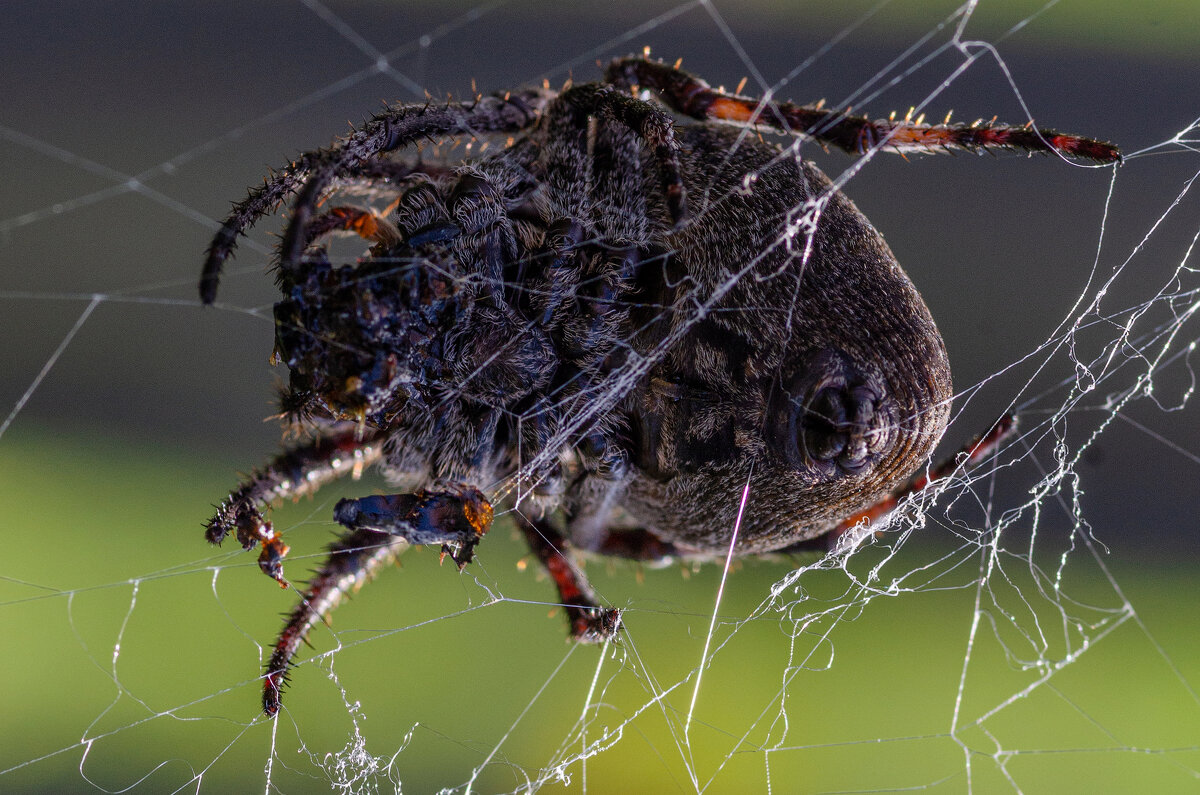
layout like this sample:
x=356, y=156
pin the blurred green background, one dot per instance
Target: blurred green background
x=133, y=647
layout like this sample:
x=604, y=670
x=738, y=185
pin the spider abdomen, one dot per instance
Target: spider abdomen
x=809, y=371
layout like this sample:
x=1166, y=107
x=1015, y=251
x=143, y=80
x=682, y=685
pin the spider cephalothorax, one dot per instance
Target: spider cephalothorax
x=630, y=324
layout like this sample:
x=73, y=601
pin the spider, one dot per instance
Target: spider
x=619, y=323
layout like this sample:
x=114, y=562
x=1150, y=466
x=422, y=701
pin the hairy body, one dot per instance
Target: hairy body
x=728, y=352
x=612, y=318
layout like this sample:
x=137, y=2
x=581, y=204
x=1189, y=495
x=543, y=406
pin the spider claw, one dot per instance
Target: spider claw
x=270, y=560
x=464, y=555
x=272, y=697
x=592, y=624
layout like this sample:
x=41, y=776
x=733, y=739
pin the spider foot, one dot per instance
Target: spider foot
x=587, y=621
x=460, y=554
x=250, y=527
x=270, y=560
x=455, y=520
x=592, y=624
x=273, y=684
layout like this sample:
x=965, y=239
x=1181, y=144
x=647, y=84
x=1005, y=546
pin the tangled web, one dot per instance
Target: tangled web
x=1025, y=626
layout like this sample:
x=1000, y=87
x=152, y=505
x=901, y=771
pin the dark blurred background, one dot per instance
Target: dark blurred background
x=194, y=99
x=127, y=128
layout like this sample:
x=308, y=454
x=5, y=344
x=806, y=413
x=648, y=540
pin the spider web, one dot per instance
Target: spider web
x=1028, y=627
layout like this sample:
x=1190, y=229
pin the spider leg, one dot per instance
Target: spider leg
x=388, y=171
x=637, y=544
x=266, y=198
x=380, y=528
x=353, y=559
x=293, y=474
x=456, y=519
x=693, y=97
x=970, y=456
x=587, y=621
x=394, y=128
x=382, y=177
x=654, y=126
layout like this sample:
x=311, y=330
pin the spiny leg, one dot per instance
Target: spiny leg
x=267, y=198
x=380, y=527
x=353, y=559
x=648, y=122
x=399, y=127
x=970, y=456
x=587, y=621
x=395, y=128
x=693, y=97
x=368, y=223
x=295, y=473
x=395, y=173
